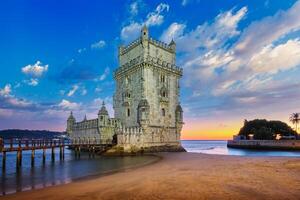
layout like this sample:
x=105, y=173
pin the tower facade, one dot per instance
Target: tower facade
x=147, y=92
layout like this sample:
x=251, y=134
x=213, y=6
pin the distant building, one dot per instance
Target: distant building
x=148, y=114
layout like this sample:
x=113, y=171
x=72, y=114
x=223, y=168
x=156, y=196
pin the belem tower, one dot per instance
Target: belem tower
x=148, y=114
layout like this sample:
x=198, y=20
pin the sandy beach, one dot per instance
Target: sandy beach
x=187, y=176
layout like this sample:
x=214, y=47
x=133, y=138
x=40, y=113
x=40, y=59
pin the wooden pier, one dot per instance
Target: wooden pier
x=19, y=145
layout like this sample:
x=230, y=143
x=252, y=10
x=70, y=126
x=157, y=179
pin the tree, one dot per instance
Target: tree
x=264, y=133
x=295, y=119
x=262, y=129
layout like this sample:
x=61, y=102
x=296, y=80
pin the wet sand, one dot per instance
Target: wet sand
x=187, y=176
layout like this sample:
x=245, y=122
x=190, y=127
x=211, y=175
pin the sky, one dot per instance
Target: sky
x=240, y=59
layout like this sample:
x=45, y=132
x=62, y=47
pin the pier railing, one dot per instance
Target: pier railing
x=92, y=145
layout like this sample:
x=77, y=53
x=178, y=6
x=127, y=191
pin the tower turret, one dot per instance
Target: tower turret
x=178, y=114
x=103, y=116
x=70, y=123
x=144, y=33
x=143, y=112
x=173, y=45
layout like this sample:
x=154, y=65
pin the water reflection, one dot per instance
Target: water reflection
x=55, y=172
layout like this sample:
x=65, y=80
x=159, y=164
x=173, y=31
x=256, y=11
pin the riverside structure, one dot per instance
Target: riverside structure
x=148, y=114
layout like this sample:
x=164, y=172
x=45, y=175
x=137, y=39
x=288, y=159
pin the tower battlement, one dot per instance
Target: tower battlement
x=124, y=49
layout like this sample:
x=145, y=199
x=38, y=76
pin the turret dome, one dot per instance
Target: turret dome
x=71, y=117
x=103, y=110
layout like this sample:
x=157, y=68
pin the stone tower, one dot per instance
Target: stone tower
x=70, y=123
x=147, y=92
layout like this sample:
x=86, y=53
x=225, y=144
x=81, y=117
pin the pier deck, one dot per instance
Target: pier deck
x=20, y=145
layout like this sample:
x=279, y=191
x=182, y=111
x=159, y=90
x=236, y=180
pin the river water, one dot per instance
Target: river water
x=59, y=172
x=220, y=147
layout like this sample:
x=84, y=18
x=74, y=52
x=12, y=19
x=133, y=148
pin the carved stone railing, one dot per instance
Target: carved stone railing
x=150, y=60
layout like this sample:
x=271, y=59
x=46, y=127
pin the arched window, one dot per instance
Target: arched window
x=127, y=94
x=162, y=78
x=163, y=112
x=128, y=112
x=163, y=92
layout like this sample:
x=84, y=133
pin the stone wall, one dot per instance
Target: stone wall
x=265, y=144
x=103, y=128
x=137, y=138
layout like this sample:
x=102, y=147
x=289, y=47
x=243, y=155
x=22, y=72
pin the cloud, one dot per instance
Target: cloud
x=32, y=82
x=68, y=105
x=98, y=89
x=269, y=29
x=74, y=73
x=9, y=101
x=209, y=35
x=83, y=91
x=76, y=87
x=81, y=50
x=62, y=92
x=154, y=18
x=17, y=85
x=131, y=31
x=103, y=76
x=174, y=31
x=134, y=8
x=73, y=90
x=272, y=59
x=184, y=2
x=98, y=45
x=6, y=90
x=35, y=70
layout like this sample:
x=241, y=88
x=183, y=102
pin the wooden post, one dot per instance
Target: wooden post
x=11, y=143
x=63, y=152
x=60, y=152
x=75, y=149
x=44, y=154
x=19, y=154
x=20, y=157
x=89, y=149
x=3, y=160
x=18, y=160
x=79, y=151
x=53, y=153
x=32, y=157
x=1, y=144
